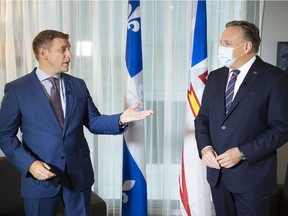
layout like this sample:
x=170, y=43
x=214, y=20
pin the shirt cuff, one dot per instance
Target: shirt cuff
x=205, y=148
x=121, y=125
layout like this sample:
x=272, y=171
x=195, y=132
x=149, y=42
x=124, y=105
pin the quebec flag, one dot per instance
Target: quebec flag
x=134, y=187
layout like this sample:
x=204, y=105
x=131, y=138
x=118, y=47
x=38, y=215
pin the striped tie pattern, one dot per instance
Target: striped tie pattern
x=230, y=89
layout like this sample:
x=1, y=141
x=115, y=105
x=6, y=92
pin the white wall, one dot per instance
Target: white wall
x=275, y=28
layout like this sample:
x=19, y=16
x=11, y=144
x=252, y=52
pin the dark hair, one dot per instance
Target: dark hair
x=44, y=38
x=250, y=30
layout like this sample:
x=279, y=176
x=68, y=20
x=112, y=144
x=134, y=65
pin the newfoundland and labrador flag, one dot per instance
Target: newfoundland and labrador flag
x=134, y=187
x=194, y=190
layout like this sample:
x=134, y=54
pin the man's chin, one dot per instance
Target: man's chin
x=65, y=69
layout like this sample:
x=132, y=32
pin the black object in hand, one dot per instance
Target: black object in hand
x=61, y=178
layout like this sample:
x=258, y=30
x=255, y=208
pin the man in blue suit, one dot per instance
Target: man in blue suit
x=53, y=155
x=241, y=123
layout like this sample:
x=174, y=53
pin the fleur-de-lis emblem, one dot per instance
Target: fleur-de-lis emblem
x=133, y=23
x=127, y=185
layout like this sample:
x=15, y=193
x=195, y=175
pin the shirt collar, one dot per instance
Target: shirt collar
x=248, y=64
x=245, y=68
x=43, y=76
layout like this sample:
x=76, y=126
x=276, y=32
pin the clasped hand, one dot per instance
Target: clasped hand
x=226, y=160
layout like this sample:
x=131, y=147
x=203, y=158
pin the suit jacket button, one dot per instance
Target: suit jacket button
x=223, y=127
x=62, y=157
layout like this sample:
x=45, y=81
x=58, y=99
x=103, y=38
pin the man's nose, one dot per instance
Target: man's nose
x=68, y=54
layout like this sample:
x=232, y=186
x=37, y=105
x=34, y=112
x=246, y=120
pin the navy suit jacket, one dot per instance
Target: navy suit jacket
x=26, y=106
x=257, y=123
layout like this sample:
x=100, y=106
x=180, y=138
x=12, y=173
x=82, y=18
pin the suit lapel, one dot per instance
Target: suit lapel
x=252, y=76
x=221, y=83
x=69, y=93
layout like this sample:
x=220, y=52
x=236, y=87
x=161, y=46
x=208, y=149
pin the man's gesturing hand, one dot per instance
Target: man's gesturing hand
x=131, y=114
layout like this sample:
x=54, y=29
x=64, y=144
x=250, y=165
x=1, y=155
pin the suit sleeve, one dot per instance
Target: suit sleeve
x=10, y=122
x=98, y=123
x=202, y=134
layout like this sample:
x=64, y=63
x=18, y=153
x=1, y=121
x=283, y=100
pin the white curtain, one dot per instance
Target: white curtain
x=97, y=32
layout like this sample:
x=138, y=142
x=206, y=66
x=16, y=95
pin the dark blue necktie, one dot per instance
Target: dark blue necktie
x=230, y=89
x=56, y=100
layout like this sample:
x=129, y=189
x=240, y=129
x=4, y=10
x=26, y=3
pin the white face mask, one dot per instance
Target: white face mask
x=225, y=55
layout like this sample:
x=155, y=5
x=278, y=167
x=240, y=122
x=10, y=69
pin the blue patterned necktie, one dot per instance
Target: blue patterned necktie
x=56, y=100
x=230, y=89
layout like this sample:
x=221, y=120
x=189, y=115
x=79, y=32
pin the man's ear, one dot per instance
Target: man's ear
x=248, y=47
x=42, y=53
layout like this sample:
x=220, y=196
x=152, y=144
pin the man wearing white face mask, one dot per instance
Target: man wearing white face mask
x=242, y=121
x=225, y=54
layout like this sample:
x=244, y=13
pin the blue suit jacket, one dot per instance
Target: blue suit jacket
x=26, y=106
x=257, y=123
